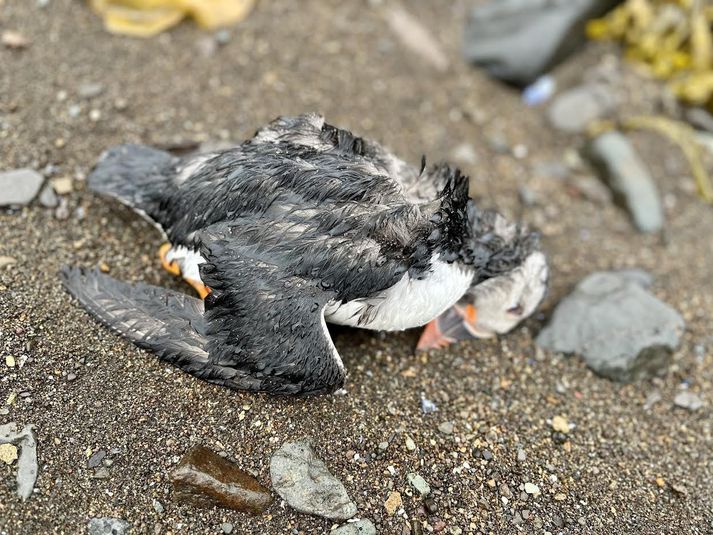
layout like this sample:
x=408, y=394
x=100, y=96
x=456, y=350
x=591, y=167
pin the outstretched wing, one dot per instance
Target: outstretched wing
x=214, y=347
x=266, y=322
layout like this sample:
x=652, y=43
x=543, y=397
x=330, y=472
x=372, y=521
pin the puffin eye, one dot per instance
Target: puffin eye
x=517, y=310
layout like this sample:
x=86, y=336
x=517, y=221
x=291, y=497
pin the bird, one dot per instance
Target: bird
x=301, y=225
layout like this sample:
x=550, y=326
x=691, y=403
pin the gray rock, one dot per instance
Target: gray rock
x=96, y=459
x=304, y=482
x=446, y=428
x=420, y=484
x=90, y=90
x=518, y=40
x=227, y=528
x=629, y=179
x=48, y=198
x=27, y=462
x=362, y=527
x=19, y=186
x=573, y=110
x=620, y=329
x=686, y=399
x=108, y=526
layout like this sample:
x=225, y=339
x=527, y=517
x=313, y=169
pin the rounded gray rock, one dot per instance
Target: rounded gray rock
x=573, y=110
x=108, y=526
x=627, y=176
x=620, y=329
x=19, y=186
x=306, y=484
x=362, y=527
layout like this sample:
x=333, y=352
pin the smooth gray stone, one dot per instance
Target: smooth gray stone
x=48, y=198
x=27, y=467
x=620, y=329
x=625, y=173
x=573, y=110
x=19, y=186
x=362, y=527
x=518, y=40
x=108, y=526
x=305, y=483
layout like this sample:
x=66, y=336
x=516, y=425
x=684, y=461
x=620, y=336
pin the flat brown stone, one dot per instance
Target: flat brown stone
x=204, y=479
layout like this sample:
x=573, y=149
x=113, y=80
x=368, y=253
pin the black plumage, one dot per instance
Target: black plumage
x=301, y=217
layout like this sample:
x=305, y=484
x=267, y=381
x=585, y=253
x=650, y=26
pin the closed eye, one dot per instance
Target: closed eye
x=516, y=310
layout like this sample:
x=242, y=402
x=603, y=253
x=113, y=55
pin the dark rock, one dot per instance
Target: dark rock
x=559, y=438
x=204, y=479
x=430, y=505
x=573, y=110
x=304, y=482
x=362, y=527
x=625, y=173
x=622, y=331
x=108, y=526
x=19, y=186
x=518, y=40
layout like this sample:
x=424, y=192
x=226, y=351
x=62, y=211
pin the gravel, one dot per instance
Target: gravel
x=162, y=90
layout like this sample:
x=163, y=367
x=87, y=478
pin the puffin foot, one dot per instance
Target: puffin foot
x=456, y=323
x=171, y=266
x=174, y=268
x=199, y=287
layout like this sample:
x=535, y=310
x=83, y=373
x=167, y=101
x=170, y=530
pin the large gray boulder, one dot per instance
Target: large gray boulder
x=620, y=329
x=518, y=40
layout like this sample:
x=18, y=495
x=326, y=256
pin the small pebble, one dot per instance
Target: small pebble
x=9, y=361
x=8, y=453
x=521, y=455
x=428, y=406
x=158, y=506
x=418, y=483
x=531, y=488
x=446, y=428
x=560, y=424
x=227, y=528
x=392, y=503
x=410, y=444
x=687, y=400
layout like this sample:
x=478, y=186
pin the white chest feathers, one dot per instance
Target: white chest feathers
x=408, y=303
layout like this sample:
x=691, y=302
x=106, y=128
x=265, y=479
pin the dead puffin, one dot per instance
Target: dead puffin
x=303, y=224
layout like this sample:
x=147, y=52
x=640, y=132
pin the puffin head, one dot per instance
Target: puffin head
x=510, y=281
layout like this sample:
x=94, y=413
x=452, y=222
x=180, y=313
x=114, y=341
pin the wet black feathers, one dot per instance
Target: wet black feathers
x=301, y=215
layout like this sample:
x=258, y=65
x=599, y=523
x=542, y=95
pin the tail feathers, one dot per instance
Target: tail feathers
x=136, y=175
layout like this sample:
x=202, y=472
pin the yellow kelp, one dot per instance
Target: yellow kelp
x=672, y=37
x=145, y=18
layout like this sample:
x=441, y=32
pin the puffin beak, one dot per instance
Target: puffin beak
x=456, y=323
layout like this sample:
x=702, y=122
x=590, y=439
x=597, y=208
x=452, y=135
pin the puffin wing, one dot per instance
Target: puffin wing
x=265, y=322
